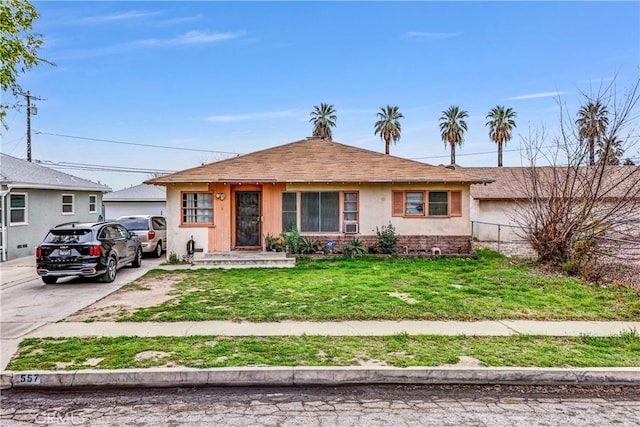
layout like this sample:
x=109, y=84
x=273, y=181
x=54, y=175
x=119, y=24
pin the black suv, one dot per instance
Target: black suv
x=88, y=250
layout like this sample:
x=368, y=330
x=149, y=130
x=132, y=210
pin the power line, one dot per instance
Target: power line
x=134, y=143
x=481, y=153
x=88, y=167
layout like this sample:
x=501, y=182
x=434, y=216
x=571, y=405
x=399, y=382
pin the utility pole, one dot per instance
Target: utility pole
x=30, y=109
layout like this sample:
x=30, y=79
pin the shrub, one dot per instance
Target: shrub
x=292, y=240
x=354, y=248
x=307, y=246
x=273, y=243
x=387, y=239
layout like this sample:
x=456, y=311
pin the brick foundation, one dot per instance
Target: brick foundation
x=448, y=245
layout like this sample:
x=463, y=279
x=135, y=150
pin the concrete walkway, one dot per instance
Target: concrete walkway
x=351, y=328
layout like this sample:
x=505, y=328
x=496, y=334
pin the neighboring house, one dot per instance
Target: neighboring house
x=497, y=204
x=329, y=191
x=143, y=199
x=501, y=202
x=34, y=198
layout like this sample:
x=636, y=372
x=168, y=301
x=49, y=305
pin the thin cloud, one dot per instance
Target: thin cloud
x=251, y=116
x=536, y=95
x=190, y=38
x=125, y=16
x=418, y=35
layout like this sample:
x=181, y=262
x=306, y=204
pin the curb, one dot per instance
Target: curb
x=295, y=376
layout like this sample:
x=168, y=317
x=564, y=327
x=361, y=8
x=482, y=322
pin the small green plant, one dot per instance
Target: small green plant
x=174, y=259
x=273, y=243
x=292, y=240
x=308, y=246
x=354, y=248
x=387, y=239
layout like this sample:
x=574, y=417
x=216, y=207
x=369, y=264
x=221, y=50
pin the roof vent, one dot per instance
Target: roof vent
x=452, y=167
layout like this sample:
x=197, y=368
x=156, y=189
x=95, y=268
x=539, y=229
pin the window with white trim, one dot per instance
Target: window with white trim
x=197, y=208
x=67, y=204
x=93, y=203
x=18, y=203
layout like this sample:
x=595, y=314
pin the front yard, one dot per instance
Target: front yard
x=489, y=286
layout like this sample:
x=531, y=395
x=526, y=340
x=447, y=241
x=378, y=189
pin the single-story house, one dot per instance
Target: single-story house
x=501, y=203
x=34, y=198
x=329, y=191
x=142, y=199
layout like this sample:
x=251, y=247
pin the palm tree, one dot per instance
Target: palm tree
x=452, y=128
x=592, y=123
x=500, y=127
x=323, y=119
x=610, y=151
x=389, y=125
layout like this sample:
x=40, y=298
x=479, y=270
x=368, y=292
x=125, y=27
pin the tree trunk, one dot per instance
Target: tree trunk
x=592, y=154
x=387, y=143
x=499, y=154
x=453, y=154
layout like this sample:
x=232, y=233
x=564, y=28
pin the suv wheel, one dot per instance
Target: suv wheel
x=110, y=275
x=158, y=252
x=137, y=261
x=49, y=280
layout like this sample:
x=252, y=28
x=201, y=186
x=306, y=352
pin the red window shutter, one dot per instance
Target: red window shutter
x=455, y=207
x=398, y=203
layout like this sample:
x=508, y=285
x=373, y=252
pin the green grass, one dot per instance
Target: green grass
x=488, y=286
x=400, y=351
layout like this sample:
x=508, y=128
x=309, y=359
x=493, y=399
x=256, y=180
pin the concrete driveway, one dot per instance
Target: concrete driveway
x=26, y=303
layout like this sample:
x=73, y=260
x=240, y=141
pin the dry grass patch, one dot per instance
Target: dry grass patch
x=148, y=291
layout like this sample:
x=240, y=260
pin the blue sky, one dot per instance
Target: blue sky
x=212, y=79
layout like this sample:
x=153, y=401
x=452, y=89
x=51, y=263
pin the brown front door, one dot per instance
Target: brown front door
x=248, y=224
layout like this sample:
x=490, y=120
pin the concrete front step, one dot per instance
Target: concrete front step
x=238, y=259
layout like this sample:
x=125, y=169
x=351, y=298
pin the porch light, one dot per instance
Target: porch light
x=220, y=196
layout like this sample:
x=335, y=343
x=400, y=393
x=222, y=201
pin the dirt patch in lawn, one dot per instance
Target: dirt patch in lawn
x=145, y=292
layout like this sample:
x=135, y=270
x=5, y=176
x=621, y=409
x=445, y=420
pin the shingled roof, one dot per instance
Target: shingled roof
x=19, y=173
x=317, y=160
x=137, y=193
x=511, y=182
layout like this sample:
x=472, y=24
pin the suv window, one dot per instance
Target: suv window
x=135, y=224
x=159, y=223
x=121, y=231
x=68, y=236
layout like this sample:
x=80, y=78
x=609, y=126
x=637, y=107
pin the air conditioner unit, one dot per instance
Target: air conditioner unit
x=351, y=228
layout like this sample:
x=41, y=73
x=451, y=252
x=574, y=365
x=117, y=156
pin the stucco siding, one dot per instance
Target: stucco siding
x=487, y=214
x=374, y=211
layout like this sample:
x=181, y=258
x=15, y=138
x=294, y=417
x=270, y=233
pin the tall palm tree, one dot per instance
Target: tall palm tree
x=452, y=128
x=389, y=125
x=323, y=119
x=592, y=123
x=501, y=124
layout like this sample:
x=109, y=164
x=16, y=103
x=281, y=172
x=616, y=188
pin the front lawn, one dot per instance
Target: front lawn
x=399, y=350
x=488, y=286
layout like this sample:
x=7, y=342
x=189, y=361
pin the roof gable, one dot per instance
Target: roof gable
x=22, y=174
x=316, y=160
